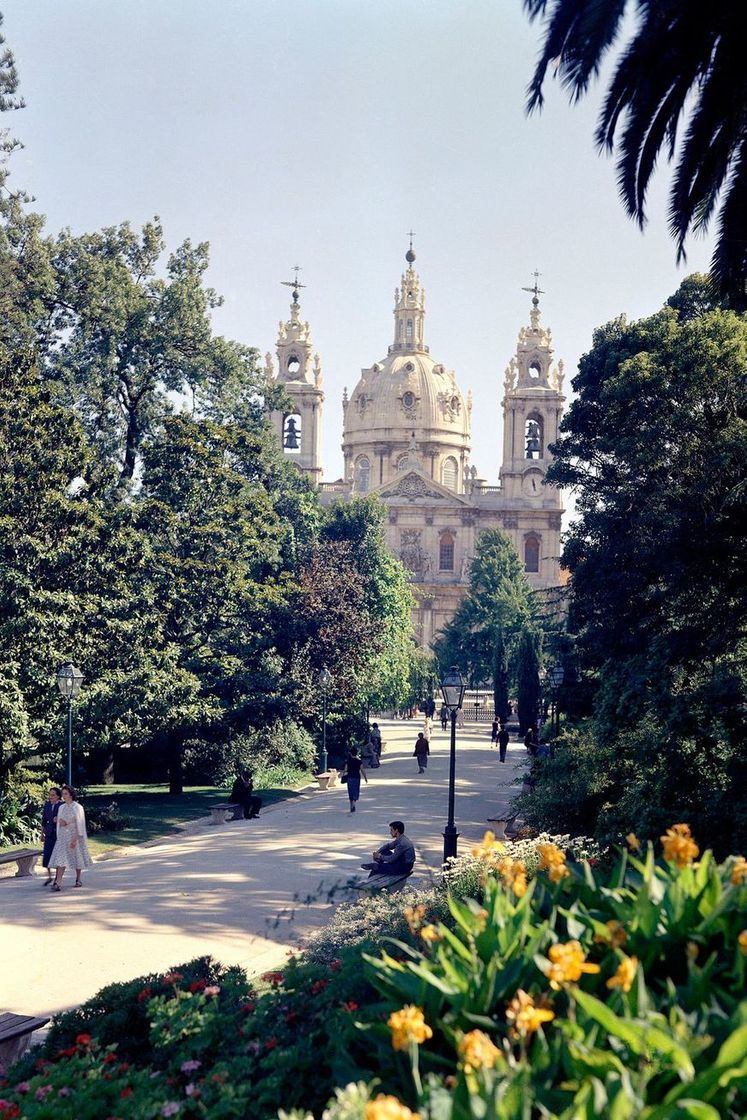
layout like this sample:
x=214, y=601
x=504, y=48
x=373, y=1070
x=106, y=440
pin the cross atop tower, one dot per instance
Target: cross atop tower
x=410, y=254
x=536, y=290
x=294, y=284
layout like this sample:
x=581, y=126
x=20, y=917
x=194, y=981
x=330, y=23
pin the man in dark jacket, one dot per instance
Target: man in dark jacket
x=242, y=793
x=396, y=856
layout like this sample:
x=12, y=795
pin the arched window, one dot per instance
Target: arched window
x=362, y=474
x=408, y=332
x=446, y=552
x=531, y=553
x=294, y=364
x=450, y=473
x=535, y=370
x=534, y=436
x=292, y=434
x=403, y=462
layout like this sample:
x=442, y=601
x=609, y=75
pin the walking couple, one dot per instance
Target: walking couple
x=64, y=836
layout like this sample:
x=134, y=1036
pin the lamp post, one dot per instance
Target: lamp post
x=452, y=689
x=325, y=679
x=69, y=680
x=557, y=673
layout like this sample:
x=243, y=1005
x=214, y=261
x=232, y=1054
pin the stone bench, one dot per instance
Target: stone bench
x=15, y=1035
x=218, y=812
x=25, y=858
x=327, y=780
x=377, y=883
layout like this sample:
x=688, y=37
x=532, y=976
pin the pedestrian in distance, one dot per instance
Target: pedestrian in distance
x=444, y=717
x=71, y=847
x=494, y=732
x=376, y=740
x=531, y=741
x=503, y=738
x=49, y=828
x=353, y=772
x=421, y=752
x=242, y=793
x=396, y=856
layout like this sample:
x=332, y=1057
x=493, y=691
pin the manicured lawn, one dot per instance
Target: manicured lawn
x=154, y=812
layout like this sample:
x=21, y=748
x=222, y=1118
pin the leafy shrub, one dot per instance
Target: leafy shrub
x=368, y=922
x=106, y=818
x=21, y=798
x=281, y=748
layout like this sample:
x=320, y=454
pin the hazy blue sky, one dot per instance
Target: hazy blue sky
x=317, y=132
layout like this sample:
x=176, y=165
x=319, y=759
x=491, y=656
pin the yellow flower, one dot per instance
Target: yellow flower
x=742, y=939
x=489, y=849
x=567, y=963
x=614, y=935
x=739, y=872
x=625, y=974
x=408, y=1025
x=633, y=842
x=552, y=860
x=388, y=1108
x=693, y=951
x=429, y=933
x=525, y=1015
x=679, y=846
x=513, y=875
x=414, y=917
x=477, y=1051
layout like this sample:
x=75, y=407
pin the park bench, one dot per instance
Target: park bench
x=218, y=812
x=327, y=780
x=25, y=858
x=502, y=822
x=380, y=883
x=15, y=1035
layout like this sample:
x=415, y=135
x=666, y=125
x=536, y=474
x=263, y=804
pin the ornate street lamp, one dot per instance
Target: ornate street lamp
x=325, y=680
x=69, y=680
x=556, y=675
x=452, y=689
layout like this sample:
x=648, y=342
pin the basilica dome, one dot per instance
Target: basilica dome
x=405, y=403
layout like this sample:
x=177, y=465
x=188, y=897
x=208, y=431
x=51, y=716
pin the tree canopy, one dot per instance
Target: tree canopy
x=679, y=89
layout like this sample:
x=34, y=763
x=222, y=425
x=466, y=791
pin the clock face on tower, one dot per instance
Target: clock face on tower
x=531, y=484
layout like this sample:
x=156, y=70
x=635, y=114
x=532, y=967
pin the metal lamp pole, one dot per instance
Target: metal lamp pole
x=325, y=678
x=452, y=688
x=69, y=680
x=557, y=673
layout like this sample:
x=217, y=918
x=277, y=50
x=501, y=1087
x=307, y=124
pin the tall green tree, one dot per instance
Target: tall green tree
x=678, y=89
x=482, y=637
x=528, y=678
x=654, y=446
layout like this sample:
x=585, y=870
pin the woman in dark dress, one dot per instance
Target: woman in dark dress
x=49, y=827
x=354, y=770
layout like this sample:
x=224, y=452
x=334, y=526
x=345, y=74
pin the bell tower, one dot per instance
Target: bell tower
x=532, y=408
x=299, y=371
x=409, y=310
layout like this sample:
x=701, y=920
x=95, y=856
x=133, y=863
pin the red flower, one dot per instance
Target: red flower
x=291, y=1017
x=109, y=1058
x=123, y=1067
x=83, y=1039
x=274, y=978
x=271, y=1043
x=335, y=965
x=145, y=994
x=126, y=1092
x=318, y=986
x=198, y=986
x=351, y=1005
x=172, y=977
x=247, y=1008
x=9, y=1111
x=67, y=1053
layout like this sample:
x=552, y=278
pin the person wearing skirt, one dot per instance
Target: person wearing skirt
x=49, y=829
x=71, y=849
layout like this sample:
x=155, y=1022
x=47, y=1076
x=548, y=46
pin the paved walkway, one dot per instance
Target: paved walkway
x=238, y=891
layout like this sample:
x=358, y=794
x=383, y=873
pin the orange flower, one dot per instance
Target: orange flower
x=742, y=939
x=513, y=874
x=477, y=1051
x=739, y=872
x=679, y=846
x=525, y=1015
x=388, y=1108
x=408, y=1025
x=633, y=842
x=414, y=916
x=489, y=849
x=625, y=974
x=567, y=963
x=552, y=860
x=429, y=933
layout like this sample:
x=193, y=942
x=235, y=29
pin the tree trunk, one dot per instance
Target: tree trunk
x=176, y=772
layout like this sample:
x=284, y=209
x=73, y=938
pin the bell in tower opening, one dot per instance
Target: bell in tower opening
x=533, y=439
x=292, y=433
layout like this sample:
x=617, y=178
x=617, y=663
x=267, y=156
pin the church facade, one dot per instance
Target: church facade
x=406, y=439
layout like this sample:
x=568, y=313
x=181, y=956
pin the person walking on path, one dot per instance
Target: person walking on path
x=71, y=848
x=353, y=772
x=494, y=732
x=444, y=717
x=49, y=828
x=396, y=856
x=421, y=752
x=376, y=740
x=503, y=738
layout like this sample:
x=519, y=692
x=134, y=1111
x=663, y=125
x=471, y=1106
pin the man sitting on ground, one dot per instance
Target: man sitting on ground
x=396, y=856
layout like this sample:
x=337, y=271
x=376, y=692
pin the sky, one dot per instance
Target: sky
x=318, y=133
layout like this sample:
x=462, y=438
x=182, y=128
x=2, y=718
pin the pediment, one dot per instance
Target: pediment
x=412, y=486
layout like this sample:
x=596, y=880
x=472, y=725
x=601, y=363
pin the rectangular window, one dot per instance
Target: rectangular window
x=446, y=556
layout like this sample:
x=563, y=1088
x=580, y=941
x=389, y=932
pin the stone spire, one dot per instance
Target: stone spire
x=409, y=310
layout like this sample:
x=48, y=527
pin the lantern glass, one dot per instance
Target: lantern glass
x=452, y=688
x=556, y=675
x=325, y=679
x=69, y=680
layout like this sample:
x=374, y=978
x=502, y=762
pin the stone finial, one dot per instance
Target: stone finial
x=317, y=370
x=269, y=366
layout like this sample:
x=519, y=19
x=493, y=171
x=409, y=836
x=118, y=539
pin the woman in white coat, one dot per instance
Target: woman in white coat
x=71, y=849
